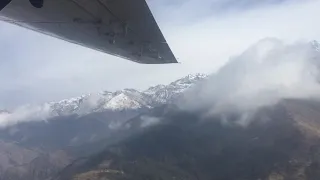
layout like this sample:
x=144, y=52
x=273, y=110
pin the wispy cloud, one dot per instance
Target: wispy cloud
x=25, y=114
x=262, y=75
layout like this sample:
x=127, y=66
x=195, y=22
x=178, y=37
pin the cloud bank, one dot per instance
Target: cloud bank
x=265, y=73
x=25, y=114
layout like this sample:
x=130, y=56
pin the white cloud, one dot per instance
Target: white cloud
x=89, y=103
x=25, y=114
x=265, y=73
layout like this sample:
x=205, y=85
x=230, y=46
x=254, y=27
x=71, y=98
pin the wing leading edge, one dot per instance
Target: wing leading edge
x=124, y=28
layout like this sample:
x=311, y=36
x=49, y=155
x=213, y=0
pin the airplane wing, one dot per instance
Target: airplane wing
x=124, y=28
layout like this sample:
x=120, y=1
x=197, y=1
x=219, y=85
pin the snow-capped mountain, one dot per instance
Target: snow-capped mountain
x=161, y=94
x=127, y=99
x=119, y=100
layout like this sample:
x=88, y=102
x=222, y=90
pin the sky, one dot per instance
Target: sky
x=35, y=68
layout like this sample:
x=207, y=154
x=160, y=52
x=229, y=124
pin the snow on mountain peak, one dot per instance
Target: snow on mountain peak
x=122, y=101
x=162, y=94
x=197, y=76
x=188, y=80
x=126, y=99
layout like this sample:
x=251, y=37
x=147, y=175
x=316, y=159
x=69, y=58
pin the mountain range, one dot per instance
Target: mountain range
x=166, y=142
x=131, y=134
x=126, y=99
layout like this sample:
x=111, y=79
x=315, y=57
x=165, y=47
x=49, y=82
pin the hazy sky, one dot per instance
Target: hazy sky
x=35, y=68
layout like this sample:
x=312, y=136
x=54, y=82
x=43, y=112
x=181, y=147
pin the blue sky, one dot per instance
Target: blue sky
x=35, y=68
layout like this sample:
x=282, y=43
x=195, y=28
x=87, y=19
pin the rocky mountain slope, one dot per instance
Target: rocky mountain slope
x=282, y=142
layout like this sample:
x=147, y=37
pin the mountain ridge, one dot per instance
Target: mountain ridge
x=134, y=99
x=126, y=99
